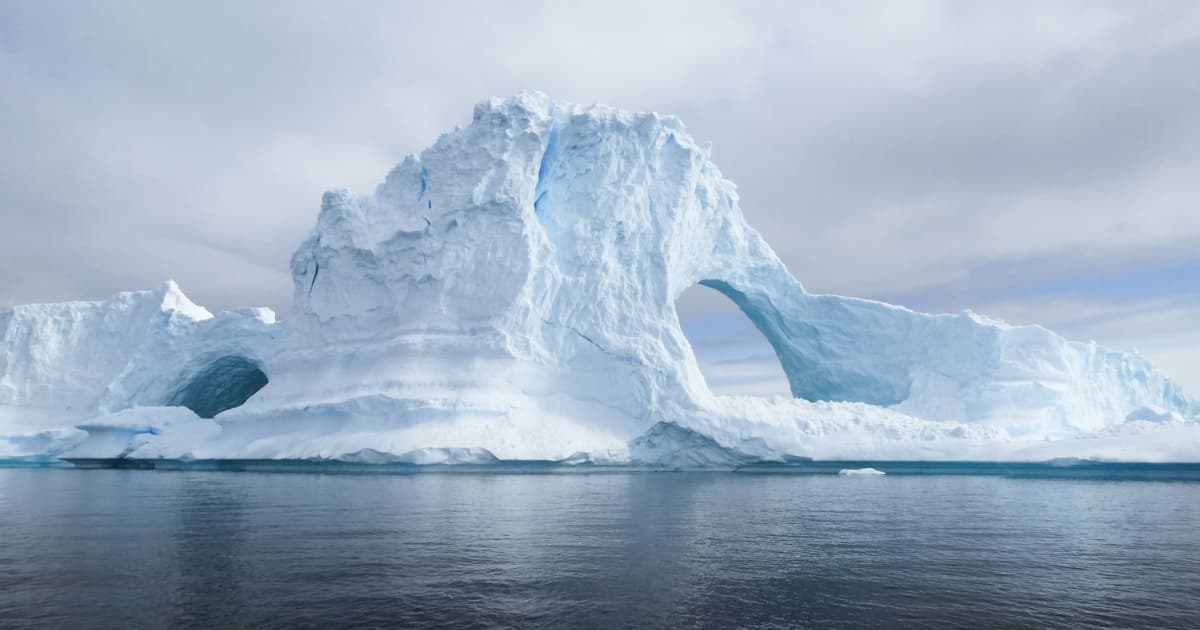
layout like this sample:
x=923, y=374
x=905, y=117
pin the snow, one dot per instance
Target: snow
x=861, y=472
x=511, y=291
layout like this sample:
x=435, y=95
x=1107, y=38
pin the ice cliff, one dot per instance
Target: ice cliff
x=511, y=290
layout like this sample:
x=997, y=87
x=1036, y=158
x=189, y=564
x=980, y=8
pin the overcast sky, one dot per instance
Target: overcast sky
x=1038, y=162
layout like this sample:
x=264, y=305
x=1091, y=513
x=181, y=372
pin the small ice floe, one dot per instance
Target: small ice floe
x=860, y=472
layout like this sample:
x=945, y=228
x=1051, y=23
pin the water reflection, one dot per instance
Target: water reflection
x=208, y=550
x=155, y=549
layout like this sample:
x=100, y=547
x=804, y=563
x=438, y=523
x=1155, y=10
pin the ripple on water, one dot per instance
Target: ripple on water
x=108, y=548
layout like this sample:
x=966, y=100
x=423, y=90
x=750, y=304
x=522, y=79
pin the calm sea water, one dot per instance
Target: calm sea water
x=115, y=548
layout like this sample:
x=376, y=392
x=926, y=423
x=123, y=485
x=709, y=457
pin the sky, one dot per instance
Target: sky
x=1033, y=161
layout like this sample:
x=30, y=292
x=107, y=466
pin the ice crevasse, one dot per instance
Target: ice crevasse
x=510, y=292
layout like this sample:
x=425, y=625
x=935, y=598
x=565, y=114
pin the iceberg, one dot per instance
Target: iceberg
x=511, y=291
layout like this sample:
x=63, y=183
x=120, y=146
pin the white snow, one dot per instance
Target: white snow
x=511, y=290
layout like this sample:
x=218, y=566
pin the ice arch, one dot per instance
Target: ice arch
x=812, y=345
x=764, y=316
x=220, y=384
x=730, y=350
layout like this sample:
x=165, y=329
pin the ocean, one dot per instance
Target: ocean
x=778, y=549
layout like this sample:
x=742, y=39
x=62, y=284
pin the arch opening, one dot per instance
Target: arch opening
x=731, y=350
x=223, y=384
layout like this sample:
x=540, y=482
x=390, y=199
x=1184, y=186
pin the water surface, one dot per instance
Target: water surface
x=122, y=548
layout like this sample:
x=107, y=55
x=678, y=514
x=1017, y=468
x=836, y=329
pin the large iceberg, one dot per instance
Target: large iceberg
x=511, y=290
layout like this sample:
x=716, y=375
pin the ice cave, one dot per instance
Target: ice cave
x=222, y=384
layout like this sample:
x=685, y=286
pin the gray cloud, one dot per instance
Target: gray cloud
x=943, y=154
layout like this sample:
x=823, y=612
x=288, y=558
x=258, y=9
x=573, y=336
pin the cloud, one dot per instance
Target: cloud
x=941, y=154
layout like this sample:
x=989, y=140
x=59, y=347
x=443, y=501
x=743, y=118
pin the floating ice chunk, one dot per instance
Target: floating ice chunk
x=861, y=472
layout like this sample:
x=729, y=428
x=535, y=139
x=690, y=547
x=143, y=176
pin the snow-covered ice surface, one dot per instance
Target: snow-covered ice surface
x=511, y=290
